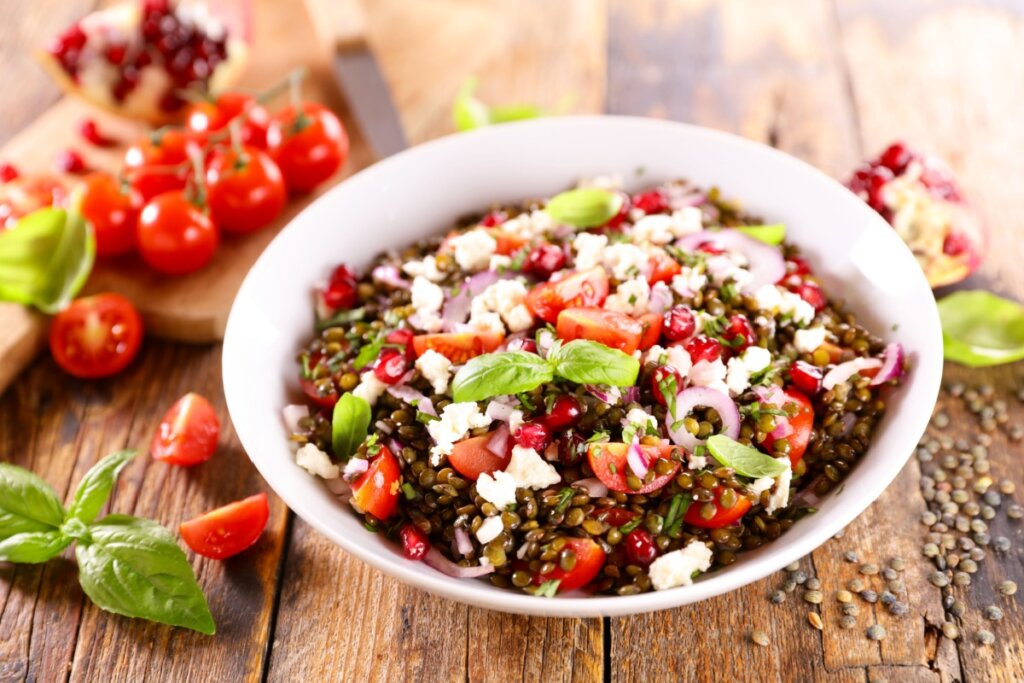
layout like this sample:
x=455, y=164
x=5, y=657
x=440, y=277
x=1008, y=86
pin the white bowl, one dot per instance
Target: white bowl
x=421, y=191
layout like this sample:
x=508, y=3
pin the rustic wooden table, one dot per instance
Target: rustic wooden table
x=828, y=81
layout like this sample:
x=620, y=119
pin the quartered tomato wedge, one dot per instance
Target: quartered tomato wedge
x=651, y=323
x=615, y=330
x=722, y=517
x=796, y=429
x=508, y=243
x=227, y=530
x=663, y=268
x=188, y=433
x=585, y=288
x=458, y=347
x=608, y=460
x=471, y=457
x=376, y=490
x=96, y=336
x=589, y=560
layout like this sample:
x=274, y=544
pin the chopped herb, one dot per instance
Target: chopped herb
x=370, y=527
x=369, y=352
x=526, y=401
x=518, y=259
x=597, y=437
x=306, y=370
x=713, y=327
x=424, y=418
x=341, y=318
x=632, y=299
x=409, y=491
x=728, y=291
x=548, y=588
x=895, y=326
x=669, y=390
x=677, y=507
x=564, y=498
x=631, y=524
x=372, y=445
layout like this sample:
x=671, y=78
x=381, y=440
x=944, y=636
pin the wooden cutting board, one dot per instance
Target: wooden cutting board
x=192, y=308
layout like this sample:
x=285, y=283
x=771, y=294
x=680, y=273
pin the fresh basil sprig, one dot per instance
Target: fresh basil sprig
x=468, y=112
x=585, y=207
x=747, y=461
x=126, y=565
x=350, y=423
x=512, y=372
x=769, y=234
x=981, y=329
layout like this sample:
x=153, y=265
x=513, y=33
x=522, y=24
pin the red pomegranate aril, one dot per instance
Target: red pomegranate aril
x=880, y=177
x=896, y=157
x=544, y=259
x=69, y=161
x=704, y=348
x=812, y=294
x=650, y=202
x=8, y=172
x=391, y=366
x=493, y=218
x=739, y=334
x=571, y=449
x=711, y=248
x=616, y=221
x=402, y=337
x=956, y=243
x=565, y=412
x=640, y=548
x=91, y=132
x=805, y=377
x=341, y=289
x=532, y=435
x=797, y=266
x=414, y=543
x=680, y=324
x=660, y=383
x=115, y=53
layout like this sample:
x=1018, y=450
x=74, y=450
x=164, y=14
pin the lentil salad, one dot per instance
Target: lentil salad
x=598, y=391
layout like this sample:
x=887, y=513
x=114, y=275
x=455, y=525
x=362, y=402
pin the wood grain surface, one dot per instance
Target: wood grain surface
x=828, y=81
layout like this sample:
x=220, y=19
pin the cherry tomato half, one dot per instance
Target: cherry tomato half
x=96, y=336
x=652, y=324
x=158, y=163
x=615, y=330
x=722, y=516
x=583, y=288
x=112, y=211
x=663, y=268
x=376, y=490
x=608, y=460
x=228, y=530
x=458, y=347
x=589, y=561
x=188, y=433
x=175, y=237
x=246, y=190
x=308, y=143
x=208, y=117
x=471, y=457
x=25, y=194
x=795, y=428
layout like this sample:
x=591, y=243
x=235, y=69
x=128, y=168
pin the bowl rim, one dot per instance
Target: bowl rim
x=915, y=421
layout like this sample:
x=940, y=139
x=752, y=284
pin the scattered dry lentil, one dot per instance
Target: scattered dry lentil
x=984, y=637
x=1007, y=587
x=847, y=621
x=847, y=596
x=813, y=597
x=868, y=568
x=855, y=585
x=851, y=556
x=992, y=613
x=850, y=608
x=777, y=597
x=869, y=596
x=813, y=584
x=815, y=620
x=938, y=579
x=759, y=637
x=876, y=632
x=950, y=630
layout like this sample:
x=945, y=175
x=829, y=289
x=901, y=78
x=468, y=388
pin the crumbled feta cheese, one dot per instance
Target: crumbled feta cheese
x=504, y=297
x=426, y=296
x=679, y=359
x=486, y=322
x=656, y=354
x=678, y=567
x=455, y=422
x=768, y=298
x=688, y=220
x=697, y=462
x=426, y=268
x=589, y=250
x=515, y=421
x=638, y=421
x=759, y=486
x=806, y=341
x=656, y=229
x=428, y=321
x=779, y=498
x=473, y=249
x=370, y=388
x=689, y=281
x=707, y=374
x=724, y=267
x=316, y=462
x=754, y=359
x=436, y=369
x=529, y=470
x=801, y=312
x=527, y=226
x=626, y=261
x=500, y=263
x=499, y=490
x=631, y=297
x=490, y=529
x=519, y=318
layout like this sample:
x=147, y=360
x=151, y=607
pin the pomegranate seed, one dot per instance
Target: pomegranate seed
x=571, y=449
x=797, y=266
x=341, y=290
x=532, y=435
x=805, y=377
x=616, y=221
x=956, y=243
x=880, y=177
x=565, y=412
x=493, y=218
x=660, y=382
x=640, y=548
x=704, y=348
x=414, y=543
x=88, y=130
x=812, y=294
x=653, y=201
x=543, y=260
x=69, y=161
x=739, y=334
x=680, y=324
x=896, y=157
x=8, y=172
x=402, y=337
x=391, y=366
x=859, y=182
x=940, y=183
x=115, y=53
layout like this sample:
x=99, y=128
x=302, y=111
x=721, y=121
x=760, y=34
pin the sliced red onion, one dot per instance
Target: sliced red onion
x=775, y=397
x=498, y=443
x=353, y=468
x=892, y=365
x=436, y=559
x=807, y=496
x=661, y=299
x=849, y=420
x=609, y=395
x=678, y=200
x=764, y=262
x=291, y=414
x=383, y=427
x=545, y=340
x=456, y=310
x=636, y=460
x=845, y=371
x=705, y=397
x=408, y=395
x=390, y=276
x=394, y=445
x=499, y=411
x=631, y=394
x=462, y=541
x=593, y=486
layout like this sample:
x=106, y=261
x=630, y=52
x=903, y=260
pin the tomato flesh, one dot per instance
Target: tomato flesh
x=589, y=561
x=188, y=433
x=112, y=212
x=722, y=516
x=663, y=268
x=651, y=324
x=376, y=490
x=615, y=330
x=471, y=457
x=458, y=347
x=246, y=190
x=96, y=336
x=799, y=426
x=608, y=460
x=228, y=530
x=586, y=288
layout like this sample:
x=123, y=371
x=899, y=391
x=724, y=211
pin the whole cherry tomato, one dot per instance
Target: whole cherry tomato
x=96, y=336
x=245, y=189
x=158, y=163
x=308, y=143
x=112, y=211
x=211, y=116
x=174, y=236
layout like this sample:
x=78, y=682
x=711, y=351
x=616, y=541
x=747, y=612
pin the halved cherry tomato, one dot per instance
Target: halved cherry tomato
x=722, y=516
x=652, y=323
x=208, y=117
x=188, y=433
x=589, y=561
x=663, y=268
x=175, y=237
x=615, y=330
x=584, y=288
x=471, y=457
x=458, y=347
x=245, y=189
x=376, y=489
x=308, y=143
x=608, y=460
x=798, y=426
x=227, y=530
x=507, y=242
x=25, y=194
x=835, y=353
x=158, y=162
x=96, y=336
x=112, y=211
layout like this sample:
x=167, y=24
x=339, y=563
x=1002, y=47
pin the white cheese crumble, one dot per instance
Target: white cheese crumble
x=678, y=567
x=504, y=297
x=806, y=341
x=473, y=249
x=679, y=359
x=759, y=486
x=626, y=261
x=370, y=388
x=527, y=226
x=490, y=529
x=486, y=322
x=664, y=228
x=697, y=462
x=529, y=470
x=801, y=312
x=455, y=422
x=689, y=281
x=724, y=267
x=498, y=490
x=426, y=268
x=754, y=360
x=631, y=297
x=589, y=250
x=656, y=354
x=500, y=263
x=316, y=462
x=779, y=498
x=436, y=369
x=426, y=296
x=709, y=374
x=638, y=421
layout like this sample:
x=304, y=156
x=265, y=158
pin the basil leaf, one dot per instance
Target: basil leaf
x=33, y=547
x=589, y=362
x=497, y=374
x=134, y=567
x=515, y=112
x=349, y=424
x=981, y=329
x=27, y=503
x=469, y=113
x=585, y=207
x=369, y=352
x=341, y=318
x=747, y=461
x=45, y=258
x=769, y=234
x=96, y=485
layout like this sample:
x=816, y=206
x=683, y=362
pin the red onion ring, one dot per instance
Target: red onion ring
x=892, y=365
x=845, y=371
x=764, y=262
x=545, y=340
x=353, y=468
x=706, y=397
x=594, y=487
x=498, y=443
x=435, y=559
x=776, y=398
x=291, y=414
x=635, y=459
x=383, y=427
x=390, y=276
x=413, y=397
x=661, y=299
x=462, y=541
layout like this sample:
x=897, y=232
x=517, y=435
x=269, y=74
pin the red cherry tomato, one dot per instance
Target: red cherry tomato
x=415, y=543
x=584, y=288
x=309, y=144
x=458, y=347
x=663, y=268
x=208, y=117
x=245, y=191
x=471, y=457
x=376, y=490
x=227, y=530
x=589, y=561
x=112, y=211
x=188, y=433
x=507, y=243
x=24, y=194
x=797, y=427
x=174, y=237
x=652, y=324
x=722, y=516
x=608, y=460
x=96, y=336
x=615, y=330
x=158, y=163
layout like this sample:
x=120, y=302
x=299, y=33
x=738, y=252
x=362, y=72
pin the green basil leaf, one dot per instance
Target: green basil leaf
x=45, y=258
x=769, y=234
x=498, y=374
x=134, y=567
x=344, y=317
x=589, y=362
x=981, y=329
x=96, y=485
x=469, y=113
x=747, y=461
x=27, y=503
x=369, y=352
x=33, y=547
x=515, y=112
x=585, y=207
x=349, y=424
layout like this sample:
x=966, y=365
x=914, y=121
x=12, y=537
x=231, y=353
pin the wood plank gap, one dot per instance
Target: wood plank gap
x=606, y=637
x=847, y=77
x=276, y=604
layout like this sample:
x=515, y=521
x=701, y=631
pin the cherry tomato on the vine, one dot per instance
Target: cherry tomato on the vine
x=112, y=211
x=245, y=189
x=174, y=236
x=211, y=116
x=158, y=162
x=308, y=143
